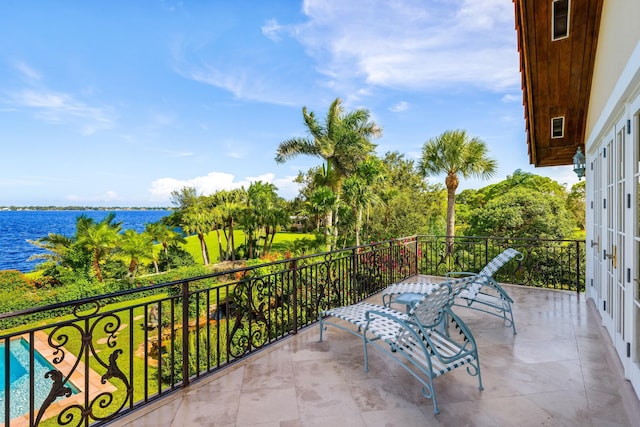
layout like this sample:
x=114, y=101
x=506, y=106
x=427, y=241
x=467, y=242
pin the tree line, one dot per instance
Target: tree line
x=352, y=197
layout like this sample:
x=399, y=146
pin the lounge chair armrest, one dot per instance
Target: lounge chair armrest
x=460, y=274
x=490, y=282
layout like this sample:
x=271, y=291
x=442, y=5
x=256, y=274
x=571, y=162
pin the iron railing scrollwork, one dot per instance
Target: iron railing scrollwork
x=100, y=407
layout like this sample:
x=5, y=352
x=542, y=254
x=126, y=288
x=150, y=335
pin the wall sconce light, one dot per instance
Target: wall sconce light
x=579, y=163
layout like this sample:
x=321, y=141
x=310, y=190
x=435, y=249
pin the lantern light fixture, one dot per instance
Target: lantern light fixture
x=579, y=163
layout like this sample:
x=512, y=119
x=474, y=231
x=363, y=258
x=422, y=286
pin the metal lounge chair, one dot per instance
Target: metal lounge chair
x=420, y=340
x=484, y=294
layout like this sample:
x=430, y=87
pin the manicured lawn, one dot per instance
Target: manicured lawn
x=211, y=239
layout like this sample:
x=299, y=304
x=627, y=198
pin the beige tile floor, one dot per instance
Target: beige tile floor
x=560, y=370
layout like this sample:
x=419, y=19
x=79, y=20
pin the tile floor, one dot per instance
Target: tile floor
x=560, y=370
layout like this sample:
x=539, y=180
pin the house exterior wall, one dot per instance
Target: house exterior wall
x=612, y=145
x=618, y=38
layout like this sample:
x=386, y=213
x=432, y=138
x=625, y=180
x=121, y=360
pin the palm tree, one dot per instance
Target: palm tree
x=164, y=234
x=321, y=202
x=198, y=220
x=264, y=202
x=138, y=247
x=342, y=141
x=98, y=238
x=454, y=154
x=56, y=245
x=358, y=196
x=228, y=207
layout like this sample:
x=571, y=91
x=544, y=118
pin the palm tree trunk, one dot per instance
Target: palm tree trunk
x=203, y=248
x=273, y=235
x=96, y=266
x=328, y=224
x=266, y=240
x=219, y=244
x=451, y=182
x=335, y=229
x=132, y=267
x=226, y=236
x=233, y=241
x=358, y=226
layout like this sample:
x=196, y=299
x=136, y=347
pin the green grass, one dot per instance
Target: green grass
x=211, y=239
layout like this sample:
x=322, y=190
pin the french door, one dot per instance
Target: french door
x=634, y=274
x=613, y=292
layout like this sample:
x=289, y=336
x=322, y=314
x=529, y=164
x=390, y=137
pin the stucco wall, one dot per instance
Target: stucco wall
x=618, y=38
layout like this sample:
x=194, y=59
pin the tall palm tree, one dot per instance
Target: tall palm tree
x=229, y=207
x=343, y=141
x=359, y=197
x=264, y=202
x=198, y=220
x=454, y=153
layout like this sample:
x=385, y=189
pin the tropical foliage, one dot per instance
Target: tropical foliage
x=352, y=197
x=343, y=141
x=455, y=154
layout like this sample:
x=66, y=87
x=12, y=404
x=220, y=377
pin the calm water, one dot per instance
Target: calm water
x=16, y=227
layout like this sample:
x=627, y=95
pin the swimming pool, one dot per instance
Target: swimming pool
x=19, y=378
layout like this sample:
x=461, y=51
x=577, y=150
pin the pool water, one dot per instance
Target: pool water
x=19, y=378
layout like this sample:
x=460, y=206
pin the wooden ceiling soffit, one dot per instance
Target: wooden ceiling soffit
x=556, y=76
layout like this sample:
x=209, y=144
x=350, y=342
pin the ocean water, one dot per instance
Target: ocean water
x=16, y=227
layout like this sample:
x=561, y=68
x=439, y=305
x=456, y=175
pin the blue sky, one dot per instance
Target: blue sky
x=117, y=103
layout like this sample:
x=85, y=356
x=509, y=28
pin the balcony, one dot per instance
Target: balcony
x=559, y=370
x=254, y=357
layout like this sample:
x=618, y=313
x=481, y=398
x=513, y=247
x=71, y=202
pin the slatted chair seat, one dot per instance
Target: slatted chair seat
x=392, y=291
x=419, y=341
x=484, y=294
x=356, y=314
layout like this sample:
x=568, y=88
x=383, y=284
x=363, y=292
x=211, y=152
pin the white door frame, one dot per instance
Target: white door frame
x=632, y=368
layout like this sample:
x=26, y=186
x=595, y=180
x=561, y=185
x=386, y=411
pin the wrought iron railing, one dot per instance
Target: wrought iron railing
x=115, y=353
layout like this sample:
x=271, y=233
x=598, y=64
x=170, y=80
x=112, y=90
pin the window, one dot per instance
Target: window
x=557, y=127
x=560, y=19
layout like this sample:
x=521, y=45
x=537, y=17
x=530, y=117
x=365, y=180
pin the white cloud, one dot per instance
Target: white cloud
x=399, y=107
x=287, y=188
x=244, y=80
x=271, y=29
x=215, y=181
x=161, y=188
x=357, y=46
x=62, y=108
x=416, y=45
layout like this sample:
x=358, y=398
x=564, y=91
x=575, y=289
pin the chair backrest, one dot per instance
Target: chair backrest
x=490, y=269
x=430, y=309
